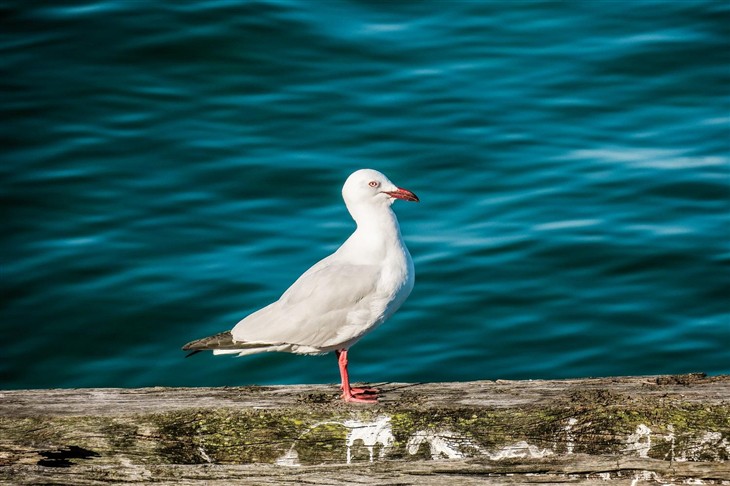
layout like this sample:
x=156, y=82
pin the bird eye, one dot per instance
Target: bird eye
x=373, y=184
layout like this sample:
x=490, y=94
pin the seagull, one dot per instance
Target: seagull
x=342, y=297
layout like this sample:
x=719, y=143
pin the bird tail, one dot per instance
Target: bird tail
x=222, y=343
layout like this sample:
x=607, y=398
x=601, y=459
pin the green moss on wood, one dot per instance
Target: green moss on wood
x=592, y=422
x=241, y=437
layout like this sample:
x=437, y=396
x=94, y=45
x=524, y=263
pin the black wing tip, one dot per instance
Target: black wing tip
x=208, y=343
x=190, y=346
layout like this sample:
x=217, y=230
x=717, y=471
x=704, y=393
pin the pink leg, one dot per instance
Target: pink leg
x=349, y=394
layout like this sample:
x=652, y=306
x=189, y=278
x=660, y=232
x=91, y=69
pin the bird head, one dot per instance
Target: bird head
x=371, y=188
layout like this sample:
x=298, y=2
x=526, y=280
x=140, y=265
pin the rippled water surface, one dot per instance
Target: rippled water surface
x=169, y=167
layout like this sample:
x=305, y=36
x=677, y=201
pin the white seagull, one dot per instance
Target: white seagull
x=342, y=297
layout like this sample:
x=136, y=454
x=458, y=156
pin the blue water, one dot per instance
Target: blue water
x=169, y=167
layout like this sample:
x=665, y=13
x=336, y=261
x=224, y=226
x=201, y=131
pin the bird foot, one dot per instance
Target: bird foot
x=359, y=398
x=367, y=390
x=360, y=394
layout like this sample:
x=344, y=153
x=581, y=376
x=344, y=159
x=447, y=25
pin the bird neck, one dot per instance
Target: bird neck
x=376, y=235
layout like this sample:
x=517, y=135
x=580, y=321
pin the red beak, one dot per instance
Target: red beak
x=404, y=194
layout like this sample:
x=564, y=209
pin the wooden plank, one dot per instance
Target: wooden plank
x=667, y=428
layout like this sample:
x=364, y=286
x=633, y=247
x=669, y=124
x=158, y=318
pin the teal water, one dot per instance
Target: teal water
x=169, y=167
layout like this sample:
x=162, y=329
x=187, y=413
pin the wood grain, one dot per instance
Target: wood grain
x=625, y=430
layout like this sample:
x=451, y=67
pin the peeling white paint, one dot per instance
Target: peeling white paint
x=443, y=444
x=205, y=456
x=672, y=440
x=519, y=450
x=371, y=434
x=711, y=445
x=448, y=445
x=645, y=476
x=291, y=458
x=377, y=437
x=639, y=441
x=569, y=436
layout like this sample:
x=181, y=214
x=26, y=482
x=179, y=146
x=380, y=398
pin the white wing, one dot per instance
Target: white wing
x=328, y=305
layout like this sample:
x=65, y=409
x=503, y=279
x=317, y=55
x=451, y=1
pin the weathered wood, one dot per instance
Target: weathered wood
x=507, y=432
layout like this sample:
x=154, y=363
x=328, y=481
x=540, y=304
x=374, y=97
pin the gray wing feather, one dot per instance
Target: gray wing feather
x=313, y=311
